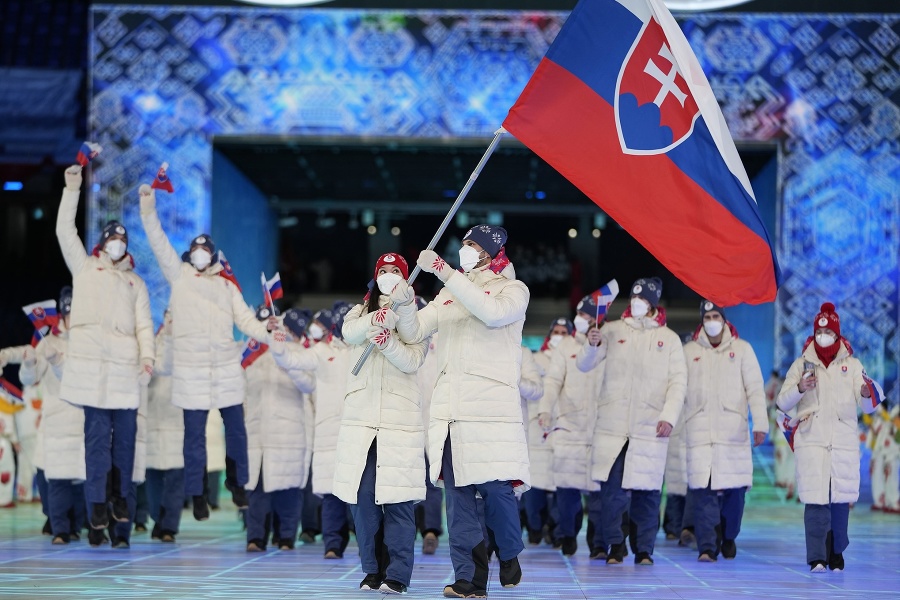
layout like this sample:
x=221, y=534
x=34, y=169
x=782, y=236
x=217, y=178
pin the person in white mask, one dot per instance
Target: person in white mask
x=476, y=436
x=573, y=396
x=826, y=385
x=109, y=358
x=724, y=381
x=640, y=401
x=206, y=306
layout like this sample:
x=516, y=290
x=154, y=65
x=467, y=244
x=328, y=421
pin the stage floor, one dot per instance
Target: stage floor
x=209, y=561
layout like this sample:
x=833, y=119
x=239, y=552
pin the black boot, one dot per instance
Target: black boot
x=114, y=491
x=99, y=516
x=510, y=572
x=480, y=557
x=201, y=508
x=238, y=494
x=835, y=559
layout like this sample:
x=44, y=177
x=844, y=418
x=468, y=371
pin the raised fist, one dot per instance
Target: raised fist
x=148, y=198
x=73, y=178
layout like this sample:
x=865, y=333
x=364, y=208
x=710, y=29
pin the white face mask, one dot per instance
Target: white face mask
x=581, y=324
x=468, y=258
x=387, y=281
x=825, y=339
x=115, y=249
x=316, y=332
x=639, y=308
x=554, y=340
x=200, y=258
x=713, y=328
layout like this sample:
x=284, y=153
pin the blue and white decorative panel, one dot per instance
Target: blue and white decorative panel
x=164, y=80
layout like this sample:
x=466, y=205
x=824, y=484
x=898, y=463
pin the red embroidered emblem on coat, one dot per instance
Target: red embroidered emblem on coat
x=448, y=302
x=488, y=292
x=659, y=344
x=330, y=359
x=696, y=359
x=621, y=341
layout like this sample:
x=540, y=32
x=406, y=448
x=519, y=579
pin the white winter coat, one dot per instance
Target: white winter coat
x=722, y=383
x=540, y=449
x=110, y=329
x=165, y=421
x=826, y=444
x=205, y=307
x=531, y=390
x=383, y=403
x=276, y=430
x=572, y=395
x=644, y=383
x=330, y=360
x=479, y=316
x=676, y=475
x=62, y=424
x=427, y=376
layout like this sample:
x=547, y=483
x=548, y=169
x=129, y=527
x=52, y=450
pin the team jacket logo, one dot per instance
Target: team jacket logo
x=448, y=302
x=654, y=108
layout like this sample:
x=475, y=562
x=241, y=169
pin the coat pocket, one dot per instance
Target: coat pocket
x=505, y=372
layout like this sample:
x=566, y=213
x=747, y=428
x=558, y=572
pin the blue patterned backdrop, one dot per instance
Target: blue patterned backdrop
x=825, y=87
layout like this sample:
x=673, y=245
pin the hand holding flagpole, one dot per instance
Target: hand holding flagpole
x=443, y=227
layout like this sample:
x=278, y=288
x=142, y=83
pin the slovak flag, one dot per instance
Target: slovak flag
x=604, y=297
x=783, y=420
x=43, y=316
x=875, y=391
x=253, y=351
x=620, y=107
x=227, y=272
x=87, y=153
x=271, y=288
x=10, y=397
x=162, y=181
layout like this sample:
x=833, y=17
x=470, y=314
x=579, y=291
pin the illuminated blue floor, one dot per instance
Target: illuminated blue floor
x=209, y=561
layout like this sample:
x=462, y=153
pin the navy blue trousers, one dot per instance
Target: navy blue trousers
x=109, y=437
x=195, y=447
x=66, y=505
x=723, y=508
x=397, y=520
x=311, y=509
x=464, y=528
x=818, y=521
x=44, y=491
x=165, y=497
x=641, y=505
x=431, y=508
x=285, y=504
x=537, y=507
x=335, y=534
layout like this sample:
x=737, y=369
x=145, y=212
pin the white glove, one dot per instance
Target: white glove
x=73, y=178
x=384, y=318
x=276, y=341
x=29, y=359
x=148, y=198
x=146, y=372
x=379, y=336
x=403, y=294
x=53, y=356
x=430, y=262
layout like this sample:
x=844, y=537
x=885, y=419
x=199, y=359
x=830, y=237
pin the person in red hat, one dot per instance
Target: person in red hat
x=825, y=385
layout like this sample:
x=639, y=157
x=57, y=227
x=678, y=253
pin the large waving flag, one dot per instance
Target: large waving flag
x=620, y=107
x=43, y=316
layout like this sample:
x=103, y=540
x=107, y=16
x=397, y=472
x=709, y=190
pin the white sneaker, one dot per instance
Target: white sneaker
x=817, y=567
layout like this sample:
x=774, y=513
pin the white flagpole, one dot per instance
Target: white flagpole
x=440, y=232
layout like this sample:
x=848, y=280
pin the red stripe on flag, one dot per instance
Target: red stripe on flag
x=685, y=228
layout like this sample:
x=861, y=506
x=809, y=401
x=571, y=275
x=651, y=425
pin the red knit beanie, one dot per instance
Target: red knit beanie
x=827, y=318
x=392, y=259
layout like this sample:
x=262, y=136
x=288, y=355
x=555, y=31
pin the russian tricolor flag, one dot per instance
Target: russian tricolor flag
x=43, y=316
x=253, y=351
x=87, y=153
x=604, y=298
x=620, y=106
x=272, y=288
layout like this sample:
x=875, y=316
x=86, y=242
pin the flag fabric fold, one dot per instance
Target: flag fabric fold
x=252, y=352
x=272, y=289
x=227, y=272
x=620, y=106
x=604, y=297
x=43, y=316
x=88, y=152
x=875, y=392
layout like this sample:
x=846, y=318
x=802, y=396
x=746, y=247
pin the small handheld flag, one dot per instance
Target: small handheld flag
x=875, y=392
x=604, y=298
x=162, y=181
x=253, y=351
x=272, y=289
x=784, y=424
x=227, y=272
x=88, y=152
x=43, y=316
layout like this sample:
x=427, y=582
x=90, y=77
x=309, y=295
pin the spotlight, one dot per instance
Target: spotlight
x=573, y=233
x=395, y=231
x=371, y=230
x=596, y=233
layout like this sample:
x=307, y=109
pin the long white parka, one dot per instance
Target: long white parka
x=330, y=360
x=540, y=450
x=62, y=424
x=165, y=421
x=110, y=329
x=479, y=316
x=572, y=395
x=644, y=383
x=826, y=443
x=723, y=382
x=275, y=417
x=205, y=307
x=383, y=403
